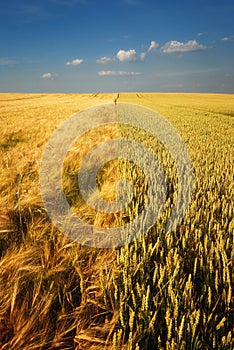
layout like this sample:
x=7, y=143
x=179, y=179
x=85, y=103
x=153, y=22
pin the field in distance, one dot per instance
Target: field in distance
x=165, y=290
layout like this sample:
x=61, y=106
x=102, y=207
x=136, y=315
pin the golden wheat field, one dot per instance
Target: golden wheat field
x=164, y=290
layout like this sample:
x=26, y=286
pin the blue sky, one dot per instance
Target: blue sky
x=123, y=45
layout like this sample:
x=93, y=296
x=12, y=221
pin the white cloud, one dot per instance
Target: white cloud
x=152, y=46
x=132, y=56
x=142, y=56
x=75, y=62
x=7, y=62
x=117, y=73
x=176, y=46
x=47, y=76
x=104, y=60
x=126, y=56
x=227, y=38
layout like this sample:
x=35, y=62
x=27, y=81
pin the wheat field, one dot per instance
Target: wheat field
x=164, y=290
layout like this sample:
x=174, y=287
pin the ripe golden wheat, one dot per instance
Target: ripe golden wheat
x=165, y=290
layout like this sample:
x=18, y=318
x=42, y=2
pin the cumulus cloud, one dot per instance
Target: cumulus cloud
x=117, y=73
x=142, y=56
x=127, y=56
x=153, y=45
x=7, y=62
x=176, y=46
x=75, y=62
x=227, y=38
x=104, y=60
x=47, y=76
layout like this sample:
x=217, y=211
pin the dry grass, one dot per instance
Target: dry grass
x=163, y=291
